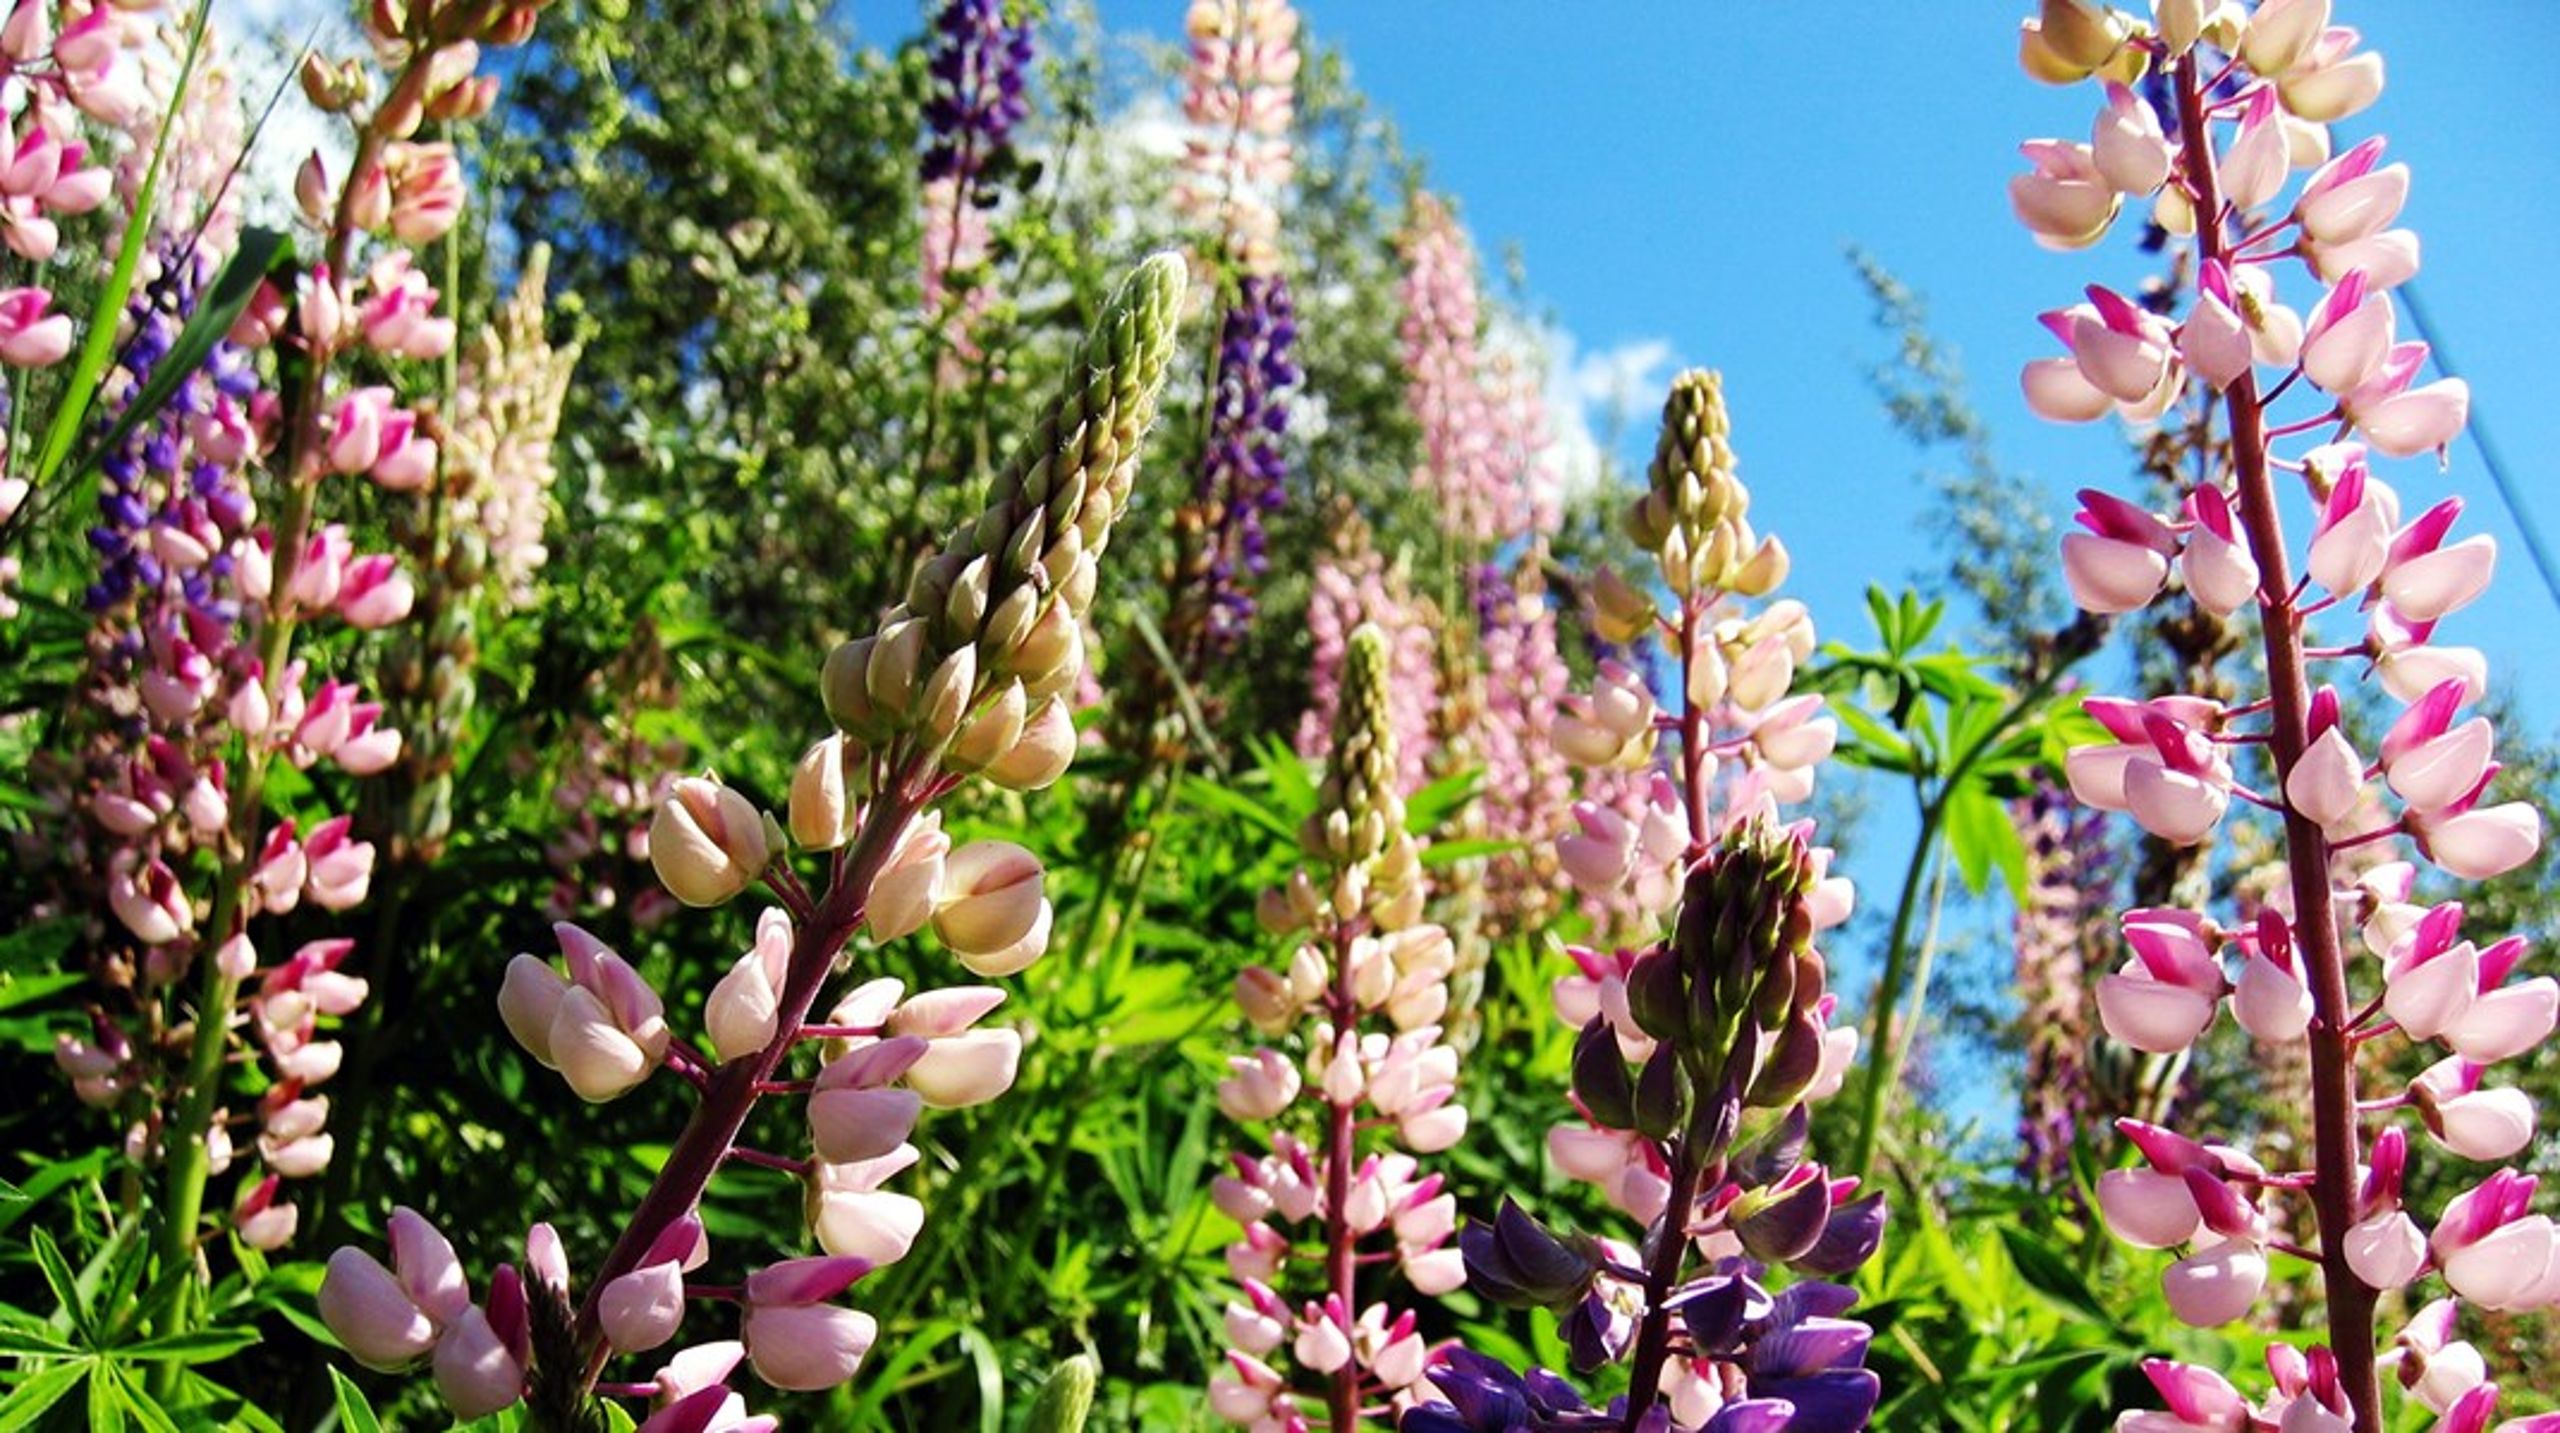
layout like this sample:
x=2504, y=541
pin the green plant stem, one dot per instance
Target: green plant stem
x=183, y=1140
x=1885, y=1052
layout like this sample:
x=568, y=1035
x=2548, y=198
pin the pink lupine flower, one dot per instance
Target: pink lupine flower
x=2179, y=788
x=641, y=1310
x=2495, y=1253
x=2215, y=342
x=2350, y=199
x=2255, y=164
x=707, y=842
x=2403, y=421
x=991, y=912
x=602, y=1027
x=742, y=1010
x=149, y=901
x=2332, y=82
x=374, y=592
x=2327, y=782
x=2164, y=997
x=2216, y=1285
x=797, y=1340
x=30, y=337
x=2348, y=335
x=264, y=1221
x=2424, y=579
x=405, y=461
x=480, y=1357
x=2124, y=352
x=2270, y=1000
x=356, y=426
x=2127, y=145
x=2120, y=562
x=2477, y=843
x=852, y=1215
x=2475, y=1123
x=389, y=1318
x=2428, y=761
x=340, y=867
x=2220, y=574
x=427, y=192
x=2065, y=199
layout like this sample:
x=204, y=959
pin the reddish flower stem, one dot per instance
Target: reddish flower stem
x=1662, y=1273
x=1342, y=1389
x=2333, y=1076
x=711, y=1136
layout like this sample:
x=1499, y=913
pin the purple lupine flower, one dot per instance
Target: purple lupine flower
x=1243, y=471
x=2070, y=869
x=977, y=67
x=171, y=504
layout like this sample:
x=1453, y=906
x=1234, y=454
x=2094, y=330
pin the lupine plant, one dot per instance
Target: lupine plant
x=222, y=549
x=967, y=677
x=1698, y=1053
x=1362, y=1001
x=2245, y=98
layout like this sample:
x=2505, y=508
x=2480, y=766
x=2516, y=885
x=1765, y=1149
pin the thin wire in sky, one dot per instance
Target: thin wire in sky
x=2479, y=427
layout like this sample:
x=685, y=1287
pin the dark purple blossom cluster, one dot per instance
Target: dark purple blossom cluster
x=171, y=503
x=1791, y=1364
x=977, y=66
x=1243, y=472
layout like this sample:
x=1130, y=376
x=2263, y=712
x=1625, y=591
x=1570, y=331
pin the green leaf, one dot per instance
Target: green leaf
x=355, y=1411
x=28, y=1343
x=261, y=253
x=97, y=347
x=2050, y=1274
x=30, y=1400
x=1876, y=745
x=195, y=1346
x=57, y=1277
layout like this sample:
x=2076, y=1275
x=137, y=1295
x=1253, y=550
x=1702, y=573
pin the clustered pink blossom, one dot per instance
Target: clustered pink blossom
x=210, y=579
x=1355, y=587
x=1239, y=96
x=1482, y=422
x=2273, y=80
x=1362, y=1000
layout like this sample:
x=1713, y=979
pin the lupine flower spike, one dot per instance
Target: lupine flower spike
x=1701, y=1050
x=2266, y=83
x=1361, y=1001
x=967, y=677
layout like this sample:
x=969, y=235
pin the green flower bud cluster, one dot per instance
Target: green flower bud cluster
x=973, y=667
x=1358, y=829
x=1731, y=1000
x=1692, y=516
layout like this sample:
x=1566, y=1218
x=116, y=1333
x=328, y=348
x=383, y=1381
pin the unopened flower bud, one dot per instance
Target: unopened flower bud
x=707, y=842
x=821, y=813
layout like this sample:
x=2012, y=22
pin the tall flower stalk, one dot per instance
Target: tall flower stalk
x=1362, y=1000
x=2269, y=82
x=1699, y=1052
x=968, y=677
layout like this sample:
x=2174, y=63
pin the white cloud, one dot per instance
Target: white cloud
x=1592, y=397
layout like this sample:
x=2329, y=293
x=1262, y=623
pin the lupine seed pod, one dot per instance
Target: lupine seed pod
x=1001, y=607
